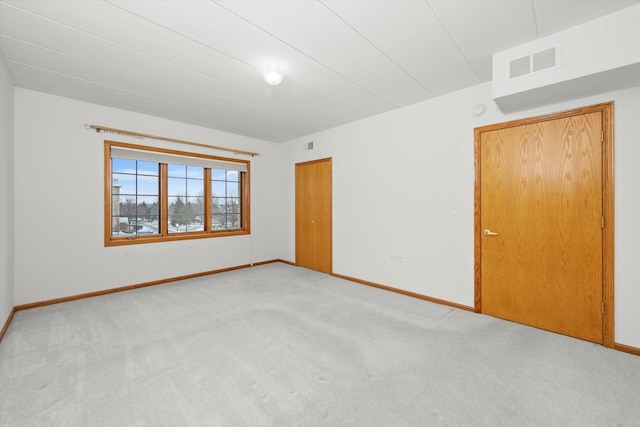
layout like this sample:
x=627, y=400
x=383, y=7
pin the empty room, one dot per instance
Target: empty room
x=319, y=212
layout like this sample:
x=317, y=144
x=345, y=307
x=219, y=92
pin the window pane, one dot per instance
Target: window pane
x=182, y=212
x=147, y=168
x=123, y=166
x=233, y=221
x=148, y=185
x=177, y=171
x=196, y=172
x=123, y=184
x=225, y=213
x=177, y=224
x=225, y=200
x=127, y=206
x=218, y=188
x=233, y=189
x=218, y=221
x=119, y=226
x=134, y=197
x=195, y=187
x=177, y=187
x=233, y=205
x=218, y=174
x=149, y=225
x=195, y=226
x=147, y=208
x=233, y=176
x=225, y=221
x=218, y=204
x=197, y=204
x=176, y=202
x=183, y=215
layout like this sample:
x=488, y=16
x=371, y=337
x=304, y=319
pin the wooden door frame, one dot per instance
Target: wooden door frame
x=309, y=162
x=607, y=201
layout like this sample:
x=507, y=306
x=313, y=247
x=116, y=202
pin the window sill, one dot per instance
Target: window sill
x=123, y=241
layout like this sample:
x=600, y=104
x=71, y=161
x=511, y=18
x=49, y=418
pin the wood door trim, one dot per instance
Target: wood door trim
x=607, y=200
x=310, y=162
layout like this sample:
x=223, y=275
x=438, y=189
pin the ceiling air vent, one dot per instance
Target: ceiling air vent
x=519, y=67
x=544, y=59
x=533, y=63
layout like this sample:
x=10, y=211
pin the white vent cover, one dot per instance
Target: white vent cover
x=544, y=59
x=533, y=63
x=520, y=67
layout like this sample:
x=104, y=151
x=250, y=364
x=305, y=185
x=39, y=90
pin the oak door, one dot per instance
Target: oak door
x=314, y=215
x=541, y=224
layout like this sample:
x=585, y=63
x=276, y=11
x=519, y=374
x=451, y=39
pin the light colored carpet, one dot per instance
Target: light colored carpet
x=277, y=345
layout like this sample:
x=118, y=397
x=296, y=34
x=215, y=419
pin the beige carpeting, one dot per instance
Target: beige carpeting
x=277, y=345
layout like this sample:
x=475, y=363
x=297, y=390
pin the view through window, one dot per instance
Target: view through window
x=160, y=195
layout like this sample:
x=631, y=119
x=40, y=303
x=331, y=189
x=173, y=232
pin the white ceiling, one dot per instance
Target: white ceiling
x=200, y=61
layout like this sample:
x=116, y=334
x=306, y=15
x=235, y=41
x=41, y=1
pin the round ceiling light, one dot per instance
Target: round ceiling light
x=273, y=74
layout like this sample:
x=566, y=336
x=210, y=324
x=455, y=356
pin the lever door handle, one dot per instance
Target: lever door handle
x=488, y=232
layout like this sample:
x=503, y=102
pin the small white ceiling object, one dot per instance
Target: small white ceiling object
x=273, y=74
x=201, y=61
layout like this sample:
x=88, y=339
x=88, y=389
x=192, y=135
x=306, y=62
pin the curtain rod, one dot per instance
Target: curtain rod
x=164, y=138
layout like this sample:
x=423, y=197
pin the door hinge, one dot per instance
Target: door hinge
x=602, y=307
x=602, y=136
x=602, y=222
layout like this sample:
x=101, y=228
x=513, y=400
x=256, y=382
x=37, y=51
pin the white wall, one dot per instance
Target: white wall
x=6, y=193
x=398, y=176
x=59, y=202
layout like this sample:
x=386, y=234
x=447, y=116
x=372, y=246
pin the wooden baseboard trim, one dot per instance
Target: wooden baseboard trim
x=7, y=323
x=407, y=293
x=627, y=349
x=287, y=262
x=136, y=286
x=255, y=264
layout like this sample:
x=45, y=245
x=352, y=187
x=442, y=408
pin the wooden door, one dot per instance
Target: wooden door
x=313, y=215
x=540, y=223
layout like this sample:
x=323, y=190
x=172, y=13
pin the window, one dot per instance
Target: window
x=186, y=198
x=154, y=194
x=225, y=199
x=135, y=196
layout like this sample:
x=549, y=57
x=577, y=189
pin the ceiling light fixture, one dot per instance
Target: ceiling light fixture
x=273, y=74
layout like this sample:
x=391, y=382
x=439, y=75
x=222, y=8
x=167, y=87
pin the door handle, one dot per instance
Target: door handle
x=488, y=232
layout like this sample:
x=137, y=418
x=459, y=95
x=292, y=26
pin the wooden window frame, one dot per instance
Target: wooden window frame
x=164, y=235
